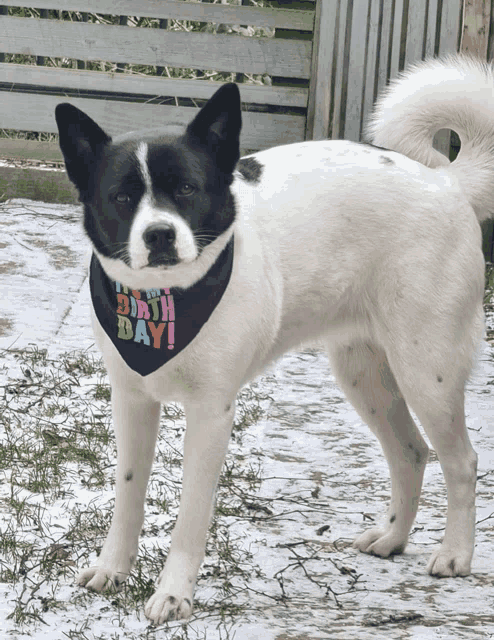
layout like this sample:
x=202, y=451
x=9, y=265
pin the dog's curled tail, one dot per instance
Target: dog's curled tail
x=456, y=93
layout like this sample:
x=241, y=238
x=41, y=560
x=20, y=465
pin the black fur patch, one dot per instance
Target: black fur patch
x=385, y=160
x=418, y=456
x=250, y=169
x=375, y=146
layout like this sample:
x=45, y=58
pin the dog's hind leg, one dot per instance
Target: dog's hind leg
x=364, y=375
x=432, y=380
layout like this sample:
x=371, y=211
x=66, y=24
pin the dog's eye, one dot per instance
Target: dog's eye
x=185, y=190
x=122, y=198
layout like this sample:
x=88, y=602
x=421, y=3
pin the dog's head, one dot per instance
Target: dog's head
x=157, y=205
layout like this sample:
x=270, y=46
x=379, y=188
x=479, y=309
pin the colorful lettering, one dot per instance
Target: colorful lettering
x=124, y=328
x=123, y=304
x=168, y=308
x=171, y=335
x=152, y=293
x=133, y=307
x=153, y=303
x=156, y=332
x=141, y=333
x=142, y=310
x=121, y=288
x=148, y=330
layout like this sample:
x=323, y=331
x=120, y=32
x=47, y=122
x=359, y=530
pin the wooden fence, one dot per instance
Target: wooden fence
x=308, y=69
x=340, y=52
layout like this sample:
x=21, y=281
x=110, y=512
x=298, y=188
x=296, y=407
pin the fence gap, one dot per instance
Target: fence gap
x=43, y=14
x=4, y=11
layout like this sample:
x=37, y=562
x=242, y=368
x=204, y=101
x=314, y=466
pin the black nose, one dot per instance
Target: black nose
x=159, y=237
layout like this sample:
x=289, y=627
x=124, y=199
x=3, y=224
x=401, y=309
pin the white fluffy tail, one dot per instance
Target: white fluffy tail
x=450, y=93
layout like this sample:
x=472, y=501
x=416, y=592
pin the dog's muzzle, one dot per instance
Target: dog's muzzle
x=159, y=237
x=160, y=240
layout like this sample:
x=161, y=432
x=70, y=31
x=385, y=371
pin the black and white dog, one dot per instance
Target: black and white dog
x=206, y=268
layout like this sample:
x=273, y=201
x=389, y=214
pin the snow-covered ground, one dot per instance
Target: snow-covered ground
x=312, y=479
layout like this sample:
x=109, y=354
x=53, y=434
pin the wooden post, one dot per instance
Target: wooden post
x=321, y=71
x=476, y=22
x=490, y=39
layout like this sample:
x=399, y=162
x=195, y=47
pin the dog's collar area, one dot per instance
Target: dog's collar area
x=150, y=327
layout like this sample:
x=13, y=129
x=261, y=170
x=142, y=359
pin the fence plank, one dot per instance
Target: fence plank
x=398, y=16
x=450, y=26
x=43, y=152
x=476, y=19
x=415, y=31
x=197, y=11
x=384, y=54
x=322, y=67
x=54, y=77
x=338, y=110
x=430, y=36
x=371, y=61
x=356, y=72
x=34, y=112
x=84, y=41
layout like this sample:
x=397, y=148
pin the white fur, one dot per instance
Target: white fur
x=147, y=214
x=370, y=252
x=142, y=159
x=453, y=93
x=183, y=275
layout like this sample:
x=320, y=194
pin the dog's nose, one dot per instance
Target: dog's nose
x=159, y=237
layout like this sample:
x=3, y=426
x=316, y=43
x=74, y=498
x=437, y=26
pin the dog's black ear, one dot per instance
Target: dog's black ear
x=81, y=140
x=218, y=125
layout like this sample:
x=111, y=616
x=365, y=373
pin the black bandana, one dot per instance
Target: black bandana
x=150, y=327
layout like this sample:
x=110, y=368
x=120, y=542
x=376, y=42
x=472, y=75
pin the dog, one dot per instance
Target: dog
x=207, y=267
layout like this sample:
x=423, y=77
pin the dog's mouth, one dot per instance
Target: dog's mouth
x=162, y=261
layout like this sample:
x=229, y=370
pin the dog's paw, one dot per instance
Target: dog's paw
x=163, y=607
x=380, y=543
x=99, y=579
x=448, y=563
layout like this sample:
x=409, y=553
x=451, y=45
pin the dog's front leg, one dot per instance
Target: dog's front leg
x=135, y=420
x=206, y=441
